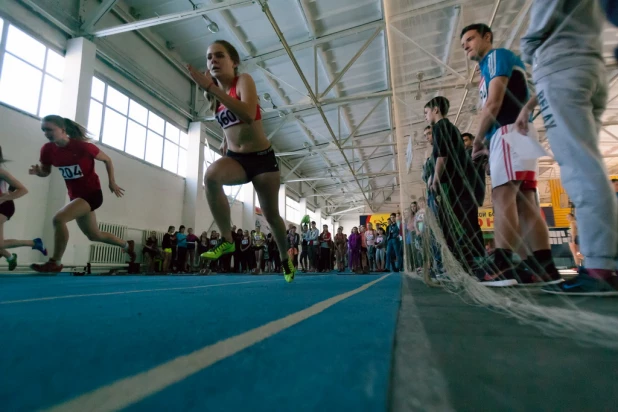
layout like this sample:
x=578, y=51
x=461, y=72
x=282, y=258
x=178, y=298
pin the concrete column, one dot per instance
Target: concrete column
x=195, y=175
x=318, y=222
x=303, y=206
x=74, y=104
x=282, y=195
x=248, y=207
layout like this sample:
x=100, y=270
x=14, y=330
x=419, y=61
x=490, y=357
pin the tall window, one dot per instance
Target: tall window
x=210, y=156
x=122, y=123
x=30, y=73
x=292, y=210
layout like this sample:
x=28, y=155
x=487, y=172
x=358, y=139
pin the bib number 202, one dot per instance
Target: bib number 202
x=71, y=172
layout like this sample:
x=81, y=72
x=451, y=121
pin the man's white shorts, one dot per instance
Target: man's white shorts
x=505, y=165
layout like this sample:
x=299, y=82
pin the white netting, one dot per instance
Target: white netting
x=424, y=44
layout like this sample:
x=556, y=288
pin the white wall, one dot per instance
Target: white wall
x=348, y=222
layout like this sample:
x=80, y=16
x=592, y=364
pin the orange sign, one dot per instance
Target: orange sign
x=486, y=219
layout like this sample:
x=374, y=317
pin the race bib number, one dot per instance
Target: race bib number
x=483, y=91
x=71, y=172
x=227, y=119
x=245, y=242
x=213, y=242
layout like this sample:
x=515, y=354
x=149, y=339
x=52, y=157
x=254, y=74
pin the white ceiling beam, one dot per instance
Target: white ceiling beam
x=351, y=62
x=296, y=166
x=418, y=11
x=358, y=126
x=428, y=53
x=333, y=150
x=374, y=151
x=172, y=17
x=318, y=40
x=309, y=179
x=96, y=15
x=348, y=210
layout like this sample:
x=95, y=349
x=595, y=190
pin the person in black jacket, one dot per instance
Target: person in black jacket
x=458, y=209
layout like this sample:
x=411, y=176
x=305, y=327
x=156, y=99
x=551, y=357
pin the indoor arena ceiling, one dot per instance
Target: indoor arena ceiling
x=325, y=75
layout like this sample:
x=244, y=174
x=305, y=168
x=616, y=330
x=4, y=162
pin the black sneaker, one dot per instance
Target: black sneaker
x=584, y=285
x=527, y=278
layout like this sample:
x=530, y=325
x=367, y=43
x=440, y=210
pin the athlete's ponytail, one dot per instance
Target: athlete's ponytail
x=2, y=159
x=73, y=129
x=235, y=57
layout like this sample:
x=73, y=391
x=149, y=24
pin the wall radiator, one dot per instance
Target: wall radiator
x=102, y=253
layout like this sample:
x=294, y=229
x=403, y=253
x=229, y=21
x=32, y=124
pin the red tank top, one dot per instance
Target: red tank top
x=75, y=162
x=226, y=117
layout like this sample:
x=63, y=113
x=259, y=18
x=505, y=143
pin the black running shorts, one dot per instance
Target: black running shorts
x=7, y=209
x=256, y=163
x=94, y=199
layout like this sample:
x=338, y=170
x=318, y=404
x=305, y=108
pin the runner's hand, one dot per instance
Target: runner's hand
x=204, y=80
x=115, y=189
x=35, y=170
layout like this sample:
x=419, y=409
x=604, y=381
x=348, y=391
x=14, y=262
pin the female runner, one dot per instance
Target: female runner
x=71, y=152
x=11, y=189
x=247, y=153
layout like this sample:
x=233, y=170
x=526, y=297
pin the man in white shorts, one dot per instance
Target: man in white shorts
x=503, y=91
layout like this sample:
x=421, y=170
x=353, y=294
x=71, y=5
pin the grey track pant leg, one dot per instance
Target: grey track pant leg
x=572, y=102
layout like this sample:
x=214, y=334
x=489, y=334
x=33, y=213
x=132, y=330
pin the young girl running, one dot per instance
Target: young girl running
x=71, y=152
x=247, y=153
x=11, y=189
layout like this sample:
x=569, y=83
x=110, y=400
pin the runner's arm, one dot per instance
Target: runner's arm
x=20, y=189
x=40, y=170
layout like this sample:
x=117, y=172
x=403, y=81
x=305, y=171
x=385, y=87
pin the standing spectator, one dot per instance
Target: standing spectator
x=325, y=239
x=364, y=259
x=181, y=239
x=274, y=255
x=340, y=243
x=503, y=91
x=168, y=245
x=355, y=244
x=314, y=247
x=293, y=243
x=246, y=252
x=151, y=252
x=202, y=247
x=370, y=239
x=380, y=250
x=192, y=241
x=393, y=246
x=258, y=246
x=305, y=247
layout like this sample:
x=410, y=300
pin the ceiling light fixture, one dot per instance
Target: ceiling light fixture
x=213, y=27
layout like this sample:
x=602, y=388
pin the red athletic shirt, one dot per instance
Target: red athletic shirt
x=75, y=162
x=226, y=117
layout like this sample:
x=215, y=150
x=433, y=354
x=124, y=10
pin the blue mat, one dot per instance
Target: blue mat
x=55, y=350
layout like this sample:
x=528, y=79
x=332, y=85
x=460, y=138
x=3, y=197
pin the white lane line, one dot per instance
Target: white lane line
x=127, y=292
x=127, y=391
x=417, y=381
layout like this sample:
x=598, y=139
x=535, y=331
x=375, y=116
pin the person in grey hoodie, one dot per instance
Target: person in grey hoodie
x=564, y=46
